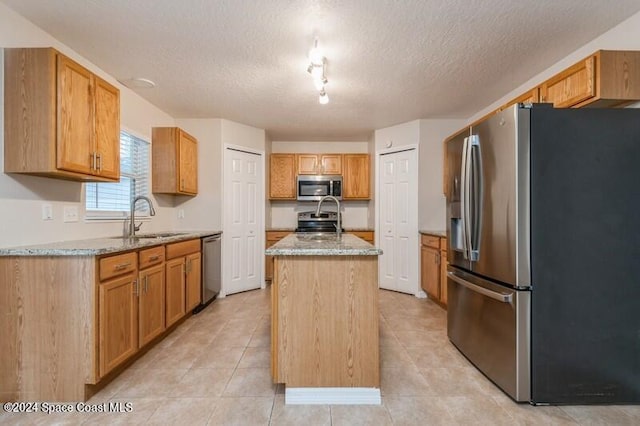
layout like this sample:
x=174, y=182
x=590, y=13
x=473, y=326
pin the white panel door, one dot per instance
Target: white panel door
x=398, y=221
x=243, y=225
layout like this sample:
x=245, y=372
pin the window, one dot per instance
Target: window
x=113, y=200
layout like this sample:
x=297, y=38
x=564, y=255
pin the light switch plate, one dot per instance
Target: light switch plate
x=70, y=214
x=181, y=214
x=47, y=212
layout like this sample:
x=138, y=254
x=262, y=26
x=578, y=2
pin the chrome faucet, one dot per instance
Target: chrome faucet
x=132, y=215
x=338, y=225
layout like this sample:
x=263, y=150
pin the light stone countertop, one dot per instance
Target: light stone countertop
x=301, y=244
x=100, y=246
x=436, y=233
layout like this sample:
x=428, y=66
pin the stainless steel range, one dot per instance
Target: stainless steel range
x=325, y=222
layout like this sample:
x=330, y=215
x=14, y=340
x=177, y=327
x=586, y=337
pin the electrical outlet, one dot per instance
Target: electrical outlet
x=47, y=212
x=181, y=214
x=70, y=214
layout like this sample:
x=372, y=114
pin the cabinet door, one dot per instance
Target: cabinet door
x=572, y=86
x=282, y=176
x=307, y=164
x=443, y=276
x=188, y=163
x=175, y=291
x=430, y=272
x=75, y=118
x=151, y=304
x=107, y=129
x=331, y=164
x=193, y=280
x=118, y=311
x=355, y=181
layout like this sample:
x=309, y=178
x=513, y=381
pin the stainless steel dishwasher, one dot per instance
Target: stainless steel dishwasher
x=211, y=269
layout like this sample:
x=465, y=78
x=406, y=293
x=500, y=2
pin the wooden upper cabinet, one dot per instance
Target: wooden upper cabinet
x=605, y=79
x=107, y=129
x=174, y=161
x=319, y=164
x=282, y=176
x=530, y=97
x=356, y=177
x=572, y=86
x=61, y=120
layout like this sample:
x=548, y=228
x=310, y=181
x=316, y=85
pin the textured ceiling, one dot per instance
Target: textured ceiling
x=388, y=62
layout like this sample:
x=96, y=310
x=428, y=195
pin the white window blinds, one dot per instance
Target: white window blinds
x=113, y=200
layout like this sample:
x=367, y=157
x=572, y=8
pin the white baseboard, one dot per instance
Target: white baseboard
x=421, y=295
x=336, y=396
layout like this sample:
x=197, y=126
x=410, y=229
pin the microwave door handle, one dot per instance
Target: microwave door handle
x=475, y=224
x=464, y=189
x=330, y=187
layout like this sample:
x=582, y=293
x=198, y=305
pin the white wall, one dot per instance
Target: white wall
x=205, y=210
x=355, y=214
x=398, y=135
x=22, y=196
x=431, y=201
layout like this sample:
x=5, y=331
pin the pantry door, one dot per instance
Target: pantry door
x=398, y=221
x=243, y=223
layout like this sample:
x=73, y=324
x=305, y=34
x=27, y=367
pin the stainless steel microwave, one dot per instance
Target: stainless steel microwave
x=314, y=187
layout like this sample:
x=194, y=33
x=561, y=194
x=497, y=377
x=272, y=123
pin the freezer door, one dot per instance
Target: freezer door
x=490, y=325
x=455, y=227
x=498, y=197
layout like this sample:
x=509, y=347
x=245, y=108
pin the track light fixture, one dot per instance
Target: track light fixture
x=317, y=70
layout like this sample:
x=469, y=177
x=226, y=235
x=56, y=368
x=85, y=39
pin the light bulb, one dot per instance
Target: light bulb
x=317, y=72
x=324, y=98
x=315, y=54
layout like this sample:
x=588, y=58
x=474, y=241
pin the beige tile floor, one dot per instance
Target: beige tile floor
x=214, y=369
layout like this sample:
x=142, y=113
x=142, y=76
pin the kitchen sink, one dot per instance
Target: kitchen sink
x=153, y=235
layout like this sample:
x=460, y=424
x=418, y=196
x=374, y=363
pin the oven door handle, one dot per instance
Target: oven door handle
x=500, y=297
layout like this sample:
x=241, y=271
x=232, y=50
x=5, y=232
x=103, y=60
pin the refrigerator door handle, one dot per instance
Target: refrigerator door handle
x=465, y=201
x=500, y=297
x=475, y=223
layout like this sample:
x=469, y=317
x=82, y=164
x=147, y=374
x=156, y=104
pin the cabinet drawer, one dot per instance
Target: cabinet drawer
x=182, y=248
x=117, y=265
x=275, y=236
x=431, y=241
x=150, y=256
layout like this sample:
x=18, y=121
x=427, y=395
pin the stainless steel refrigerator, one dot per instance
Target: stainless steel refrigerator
x=544, y=252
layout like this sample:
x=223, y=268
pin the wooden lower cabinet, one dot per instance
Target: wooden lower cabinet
x=272, y=237
x=433, y=264
x=368, y=236
x=175, y=304
x=151, y=304
x=193, y=269
x=118, y=321
x=96, y=314
x=183, y=275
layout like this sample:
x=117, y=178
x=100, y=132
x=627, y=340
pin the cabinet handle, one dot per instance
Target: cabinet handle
x=99, y=163
x=122, y=266
x=152, y=258
x=146, y=284
x=93, y=160
x=437, y=258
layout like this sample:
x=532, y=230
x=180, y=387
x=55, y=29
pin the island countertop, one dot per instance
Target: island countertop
x=105, y=245
x=301, y=244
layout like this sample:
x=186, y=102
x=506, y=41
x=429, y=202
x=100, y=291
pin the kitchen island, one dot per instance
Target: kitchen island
x=324, y=319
